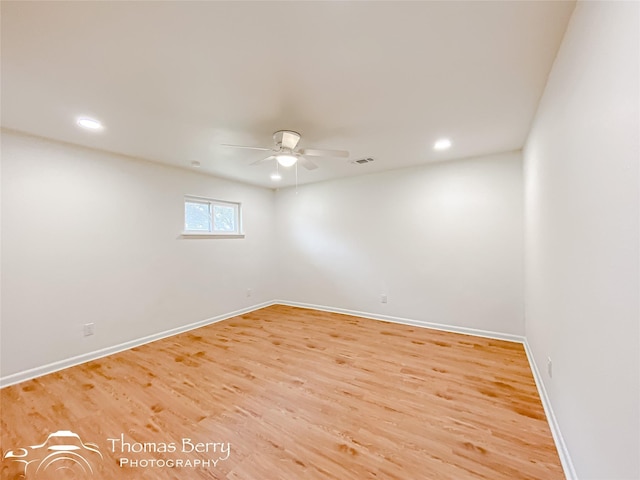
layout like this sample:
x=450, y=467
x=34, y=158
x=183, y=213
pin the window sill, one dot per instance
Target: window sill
x=211, y=235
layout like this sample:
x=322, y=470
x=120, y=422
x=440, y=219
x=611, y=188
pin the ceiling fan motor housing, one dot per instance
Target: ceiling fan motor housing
x=286, y=138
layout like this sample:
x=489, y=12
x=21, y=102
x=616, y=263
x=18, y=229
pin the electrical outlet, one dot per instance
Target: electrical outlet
x=550, y=367
x=89, y=329
x=249, y=292
x=383, y=298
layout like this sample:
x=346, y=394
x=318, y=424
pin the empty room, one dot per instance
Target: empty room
x=320, y=240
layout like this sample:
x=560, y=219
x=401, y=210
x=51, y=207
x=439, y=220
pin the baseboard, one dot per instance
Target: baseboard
x=407, y=321
x=561, y=446
x=86, y=357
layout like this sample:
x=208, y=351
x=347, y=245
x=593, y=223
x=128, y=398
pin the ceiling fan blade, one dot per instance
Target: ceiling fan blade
x=263, y=160
x=306, y=163
x=245, y=146
x=325, y=153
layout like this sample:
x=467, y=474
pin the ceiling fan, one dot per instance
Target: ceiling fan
x=285, y=153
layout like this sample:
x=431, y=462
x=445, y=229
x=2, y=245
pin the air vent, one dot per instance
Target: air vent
x=362, y=161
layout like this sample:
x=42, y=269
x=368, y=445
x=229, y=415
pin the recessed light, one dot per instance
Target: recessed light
x=442, y=144
x=89, y=123
x=195, y=164
x=276, y=177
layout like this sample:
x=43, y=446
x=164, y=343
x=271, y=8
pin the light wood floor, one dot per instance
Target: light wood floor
x=299, y=394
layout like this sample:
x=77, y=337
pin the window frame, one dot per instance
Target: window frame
x=212, y=202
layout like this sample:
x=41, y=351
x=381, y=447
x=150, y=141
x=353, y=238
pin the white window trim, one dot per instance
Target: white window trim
x=213, y=201
x=187, y=234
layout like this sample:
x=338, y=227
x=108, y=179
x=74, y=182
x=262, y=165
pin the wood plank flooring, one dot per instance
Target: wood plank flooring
x=298, y=394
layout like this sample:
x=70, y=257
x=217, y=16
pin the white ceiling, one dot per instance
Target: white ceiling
x=171, y=81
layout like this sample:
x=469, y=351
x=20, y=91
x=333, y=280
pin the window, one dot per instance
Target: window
x=205, y=216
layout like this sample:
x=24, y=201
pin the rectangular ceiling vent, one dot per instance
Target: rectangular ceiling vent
x=362, y=161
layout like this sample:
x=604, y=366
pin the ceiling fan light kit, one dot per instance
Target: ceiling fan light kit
x=286, y=155
x=286, y=159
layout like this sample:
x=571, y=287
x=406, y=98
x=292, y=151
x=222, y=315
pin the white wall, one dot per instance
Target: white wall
x=94, y=237
x=582, y=240
x=444, y=241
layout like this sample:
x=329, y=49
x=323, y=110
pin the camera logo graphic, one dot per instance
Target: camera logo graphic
x=62, y=455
